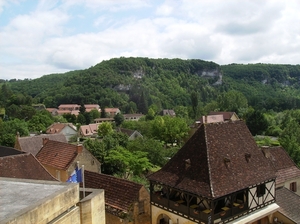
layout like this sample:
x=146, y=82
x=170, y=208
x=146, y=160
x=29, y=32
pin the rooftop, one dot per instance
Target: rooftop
x=217, y=155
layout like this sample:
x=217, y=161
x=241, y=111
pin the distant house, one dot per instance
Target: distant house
x=125, y=201
x=33, y=144
x=132, y=134
x=210, y=119
x=89, y=107
x=168, y=112
x=60, y=159
x=101, y=120
x=24, y=166
x=111, y=112
x=53, y=111
x=287, y=172
x=232, y=116
x=67, y=129
x=90, y=130
x=132, y=117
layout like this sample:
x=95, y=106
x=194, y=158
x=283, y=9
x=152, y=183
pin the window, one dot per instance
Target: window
x=141, y=207
x=261, y=190
x=293, y=186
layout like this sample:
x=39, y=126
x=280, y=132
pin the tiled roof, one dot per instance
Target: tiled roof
x=58, y=127
x=285, y=168
x=289, y=203
x=119, y=193
x=8, y=151
x=33, y=144
x=111, y=110
x=219, y=159
x=89, y=130
x=57, y=154
x=226, y=115
x=127, y=132
x=24, y=166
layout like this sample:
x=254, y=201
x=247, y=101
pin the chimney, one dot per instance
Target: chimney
x=79, y=148
x=45, y=140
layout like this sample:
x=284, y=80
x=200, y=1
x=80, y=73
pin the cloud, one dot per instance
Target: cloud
x=75, y=34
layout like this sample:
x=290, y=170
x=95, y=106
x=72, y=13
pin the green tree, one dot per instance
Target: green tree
x=39, y=123
x=105, y=129
x=256, y=122
x=119, y=118
x=195, y=102
x=232, y=101
x=9, y=130
x=94, y=114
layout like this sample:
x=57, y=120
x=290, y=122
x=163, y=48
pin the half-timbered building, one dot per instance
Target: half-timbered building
x=219, y=176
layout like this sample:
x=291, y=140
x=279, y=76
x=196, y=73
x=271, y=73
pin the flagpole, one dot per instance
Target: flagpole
x=82, y=174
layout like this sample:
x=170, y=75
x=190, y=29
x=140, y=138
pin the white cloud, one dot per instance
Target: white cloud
x=47, y=40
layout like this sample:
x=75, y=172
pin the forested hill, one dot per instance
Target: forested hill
x=133, y=84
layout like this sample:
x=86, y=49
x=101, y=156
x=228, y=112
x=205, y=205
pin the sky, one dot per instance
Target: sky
x=49, y=36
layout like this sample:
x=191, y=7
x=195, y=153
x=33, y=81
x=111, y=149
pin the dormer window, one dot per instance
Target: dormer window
x=247, y=156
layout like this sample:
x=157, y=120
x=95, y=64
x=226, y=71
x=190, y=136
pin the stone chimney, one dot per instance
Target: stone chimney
x=79, y=148
x=45, y=140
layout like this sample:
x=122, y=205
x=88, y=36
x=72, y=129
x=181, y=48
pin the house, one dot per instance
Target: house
x=218, y=176
x=90, y=130
x=287, y=172
x=53, y=111
x=232, y=116
x=67, y=129
x=89, y=107
x=168, y=112
x=36, y=201
x=60, y=159
x=124, y=200
x=132, y=117
x=33, y=144
x=23, y=166
x=132, y=134
x=111, y=112
x=289, y=203
x=101, y=120
x=210, y=119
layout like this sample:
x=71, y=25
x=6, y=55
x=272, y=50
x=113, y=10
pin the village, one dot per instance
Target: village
x=220, y=175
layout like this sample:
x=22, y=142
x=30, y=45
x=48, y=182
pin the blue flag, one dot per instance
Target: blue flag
x=76, y=176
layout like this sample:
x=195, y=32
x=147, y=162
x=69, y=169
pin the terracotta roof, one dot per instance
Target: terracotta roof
x=68, y=106
x=285, y=167
x=215, y=157
x=8, y=151
x=88, y=130
x=119, y=193
x=24, y=166
x=110, y=110
x=58, y=127
x=57, y=154
x=33, y=144
x=226, y=115
x=289, y=203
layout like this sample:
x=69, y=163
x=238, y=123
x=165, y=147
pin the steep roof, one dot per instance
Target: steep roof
x=215, y=157
x=58, y=127
x=33, y=144
x=226, y=115
x=88, y=130
x=289, y=203
x=119, y=193
x=24, y=166
x=285, y=167
x=57, y=154
x=8, y=151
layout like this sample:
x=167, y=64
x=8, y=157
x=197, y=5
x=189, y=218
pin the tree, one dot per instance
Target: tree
x=232, y=101
x=256, y=122
x=81, y=119
x=195, y=102
x=39, y=122
x=10, y=129
x=103, y=113
x=94, y=114
x=150, y=115
x=105, y=129
x=119, y=118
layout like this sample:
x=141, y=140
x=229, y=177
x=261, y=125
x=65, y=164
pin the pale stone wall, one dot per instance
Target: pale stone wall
x=72, y=217
x=111, y=219
x=50, y=208
x=61, y=175
x=88, y=160
x=93, y=207
x=158, y=213
x=287, y=185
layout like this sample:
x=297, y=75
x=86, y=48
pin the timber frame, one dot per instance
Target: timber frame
x=208, y=210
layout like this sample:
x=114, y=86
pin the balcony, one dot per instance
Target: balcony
x=196, y=213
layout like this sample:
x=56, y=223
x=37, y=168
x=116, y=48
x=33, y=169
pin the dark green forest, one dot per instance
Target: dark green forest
x=266, y=96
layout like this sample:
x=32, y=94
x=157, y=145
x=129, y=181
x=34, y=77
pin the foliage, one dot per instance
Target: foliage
x=105, y=129
x=9, y=130
x=119, y=118
x=256, y=122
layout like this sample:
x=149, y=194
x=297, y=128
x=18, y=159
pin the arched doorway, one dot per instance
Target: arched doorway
x=164, y=219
